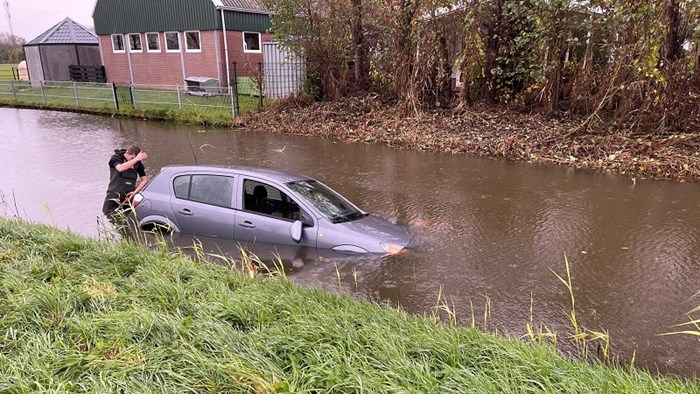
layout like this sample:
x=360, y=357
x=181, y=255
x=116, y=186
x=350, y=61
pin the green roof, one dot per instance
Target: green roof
x=134, y=16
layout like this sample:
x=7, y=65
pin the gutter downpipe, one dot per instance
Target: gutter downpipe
x=127, y=43
x=181, y=44
x=228, y=72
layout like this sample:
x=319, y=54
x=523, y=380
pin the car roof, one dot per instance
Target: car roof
x=274, y=175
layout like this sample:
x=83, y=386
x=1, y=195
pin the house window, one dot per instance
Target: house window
x=172, y=42
x=192, y=41
x=251, y=42
x=153, y=42
x=135, y=42
x=117, y=43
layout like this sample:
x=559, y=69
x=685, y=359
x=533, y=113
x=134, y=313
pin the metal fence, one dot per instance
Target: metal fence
x=108, y=95
x=82, y=95
x=253, y=84
x=8, y=73
x=143, y=96
x=269, y=81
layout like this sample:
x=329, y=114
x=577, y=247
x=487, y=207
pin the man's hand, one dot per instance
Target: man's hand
x=141, y=156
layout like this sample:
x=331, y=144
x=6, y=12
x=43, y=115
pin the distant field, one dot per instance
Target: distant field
x=6, y=71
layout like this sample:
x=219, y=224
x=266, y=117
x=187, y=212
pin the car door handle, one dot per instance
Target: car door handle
x=185, y=212
x=247, y=224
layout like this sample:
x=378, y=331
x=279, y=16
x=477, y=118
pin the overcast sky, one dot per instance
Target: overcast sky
x=33, y=17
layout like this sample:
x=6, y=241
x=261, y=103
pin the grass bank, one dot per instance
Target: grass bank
x=158, y=114
x=86, y=315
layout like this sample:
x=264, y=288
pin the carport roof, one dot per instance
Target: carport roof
x=242, y=5
x=66, y=31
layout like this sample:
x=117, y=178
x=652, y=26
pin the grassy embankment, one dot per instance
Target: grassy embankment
x=86, y=315
x=153, y=104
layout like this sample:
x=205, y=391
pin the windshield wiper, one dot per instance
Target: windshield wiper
x=350, y=217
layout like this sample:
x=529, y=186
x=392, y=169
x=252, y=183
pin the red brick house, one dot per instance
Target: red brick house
x=163, y=42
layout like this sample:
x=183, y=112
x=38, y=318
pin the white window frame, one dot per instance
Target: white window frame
x=148, y=46
x=132, y=50
x=115, y=50
x=165, y=39
x=245, y=45
x=199, y=36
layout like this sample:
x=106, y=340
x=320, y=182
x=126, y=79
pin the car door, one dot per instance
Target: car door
x=202, y=204
x=267, y=214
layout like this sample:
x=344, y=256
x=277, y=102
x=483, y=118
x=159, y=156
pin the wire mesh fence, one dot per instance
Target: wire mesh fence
x=81, y=95
x=144, y=96
x=254, y=84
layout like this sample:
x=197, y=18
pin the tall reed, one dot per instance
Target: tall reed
x=583, y=337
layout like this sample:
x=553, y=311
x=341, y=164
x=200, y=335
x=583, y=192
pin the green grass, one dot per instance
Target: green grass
x=84, y=315
x=6, y=72
x=60, y=95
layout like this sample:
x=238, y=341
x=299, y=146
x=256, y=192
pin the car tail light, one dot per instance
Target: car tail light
x=138, y=197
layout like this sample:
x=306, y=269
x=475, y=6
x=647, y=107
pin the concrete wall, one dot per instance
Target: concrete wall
x=36, y=73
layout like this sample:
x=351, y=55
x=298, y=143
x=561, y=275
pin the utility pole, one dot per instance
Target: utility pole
x=6, y=5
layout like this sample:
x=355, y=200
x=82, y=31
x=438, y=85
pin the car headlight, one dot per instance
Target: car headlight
x=390, y=248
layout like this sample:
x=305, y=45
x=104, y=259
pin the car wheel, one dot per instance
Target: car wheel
x=158, y=228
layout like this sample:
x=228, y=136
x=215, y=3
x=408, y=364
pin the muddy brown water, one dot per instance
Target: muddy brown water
x=485, y=233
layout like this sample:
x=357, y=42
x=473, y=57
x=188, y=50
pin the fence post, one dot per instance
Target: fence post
x=75, y=91
x=133, y=94
x=43, y=94
x=237, y=107
x=14, y=94
x=114, y=95
x=179, y=98
x=233, y=107
x=260, y=85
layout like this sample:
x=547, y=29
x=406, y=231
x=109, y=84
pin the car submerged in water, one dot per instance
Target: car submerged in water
x=252, y=205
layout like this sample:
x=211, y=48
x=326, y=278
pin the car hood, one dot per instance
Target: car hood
x=378, y=228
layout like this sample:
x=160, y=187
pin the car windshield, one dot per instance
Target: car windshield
x=336, y=208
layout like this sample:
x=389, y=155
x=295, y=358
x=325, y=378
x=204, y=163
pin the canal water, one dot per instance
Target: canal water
x=487, y=236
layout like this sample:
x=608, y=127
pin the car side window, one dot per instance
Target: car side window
x=181, y=185
x=263, y=198
x=209, y=189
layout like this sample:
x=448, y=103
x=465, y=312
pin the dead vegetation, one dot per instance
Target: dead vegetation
x=495, y=132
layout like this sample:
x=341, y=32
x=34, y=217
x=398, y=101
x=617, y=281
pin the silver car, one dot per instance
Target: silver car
x=253, y=205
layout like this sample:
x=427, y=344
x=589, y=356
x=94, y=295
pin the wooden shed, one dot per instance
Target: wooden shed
x=67, y=43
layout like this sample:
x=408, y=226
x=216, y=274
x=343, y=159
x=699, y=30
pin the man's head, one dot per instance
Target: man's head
x=131, y=152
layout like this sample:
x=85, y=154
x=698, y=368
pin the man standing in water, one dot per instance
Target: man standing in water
x=125, y=170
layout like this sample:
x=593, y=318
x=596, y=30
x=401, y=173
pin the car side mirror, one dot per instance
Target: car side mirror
x=306, y=219
x=295, y=231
